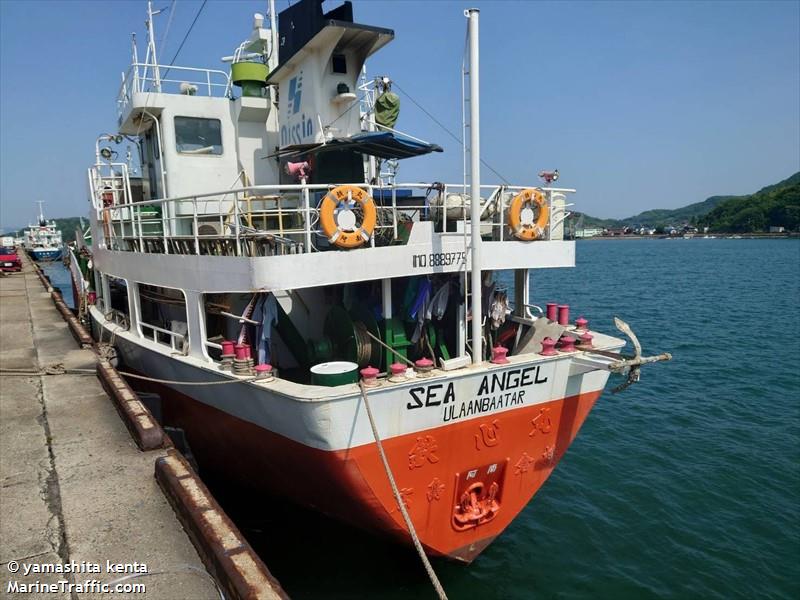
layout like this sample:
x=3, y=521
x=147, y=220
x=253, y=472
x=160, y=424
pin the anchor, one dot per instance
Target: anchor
x=632, y=363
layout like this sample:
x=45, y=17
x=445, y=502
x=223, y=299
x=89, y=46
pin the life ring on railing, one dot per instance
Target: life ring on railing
x=338, y=219
x=521, y=213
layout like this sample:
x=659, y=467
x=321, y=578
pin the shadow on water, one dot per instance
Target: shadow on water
x=314, y=556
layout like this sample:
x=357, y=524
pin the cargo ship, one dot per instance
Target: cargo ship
x=42, y=240
x=304, y=311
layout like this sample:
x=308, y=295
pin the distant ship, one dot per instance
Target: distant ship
x=43, y=241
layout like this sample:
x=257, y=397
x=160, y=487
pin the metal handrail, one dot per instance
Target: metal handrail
x=172, y=335
x=136, y=79
x=111, y=179
x=227, y=209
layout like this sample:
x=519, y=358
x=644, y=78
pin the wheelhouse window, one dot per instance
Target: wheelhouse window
x=194, y=135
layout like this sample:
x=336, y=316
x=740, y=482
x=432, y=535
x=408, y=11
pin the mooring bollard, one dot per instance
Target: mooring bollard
x=398, y=372
x=552, y=311
x=369, y=376
x=264, y=373
x=499, y=355
x=423, y=366
x=548, y=347
x=567, y=344
x=585, y=340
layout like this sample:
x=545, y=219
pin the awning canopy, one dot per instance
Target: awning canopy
x=383, y=144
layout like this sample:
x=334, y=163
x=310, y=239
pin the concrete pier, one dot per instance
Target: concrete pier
x=74, y=488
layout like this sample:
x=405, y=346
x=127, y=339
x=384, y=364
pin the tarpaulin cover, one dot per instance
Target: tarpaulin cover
x=383, y=144
x=387, y=109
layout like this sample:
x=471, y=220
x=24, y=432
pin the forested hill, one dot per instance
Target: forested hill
x=776, y=205
x=660, y=217
x=773, y=206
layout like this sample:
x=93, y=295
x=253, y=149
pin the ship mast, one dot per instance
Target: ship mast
x=41, y=211
x=475, y=185
x=273, y=30
x=151, y=45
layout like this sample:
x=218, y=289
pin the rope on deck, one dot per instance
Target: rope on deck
x=58, y=369
x=426, y=563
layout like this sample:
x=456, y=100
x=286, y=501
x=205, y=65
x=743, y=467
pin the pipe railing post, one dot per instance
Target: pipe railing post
x=236, y=223
x=195, y=226
x=394, y=208
x=475, y=185
x=165, y=226
x=139, y=223
x=307, y=208
x=501, y=208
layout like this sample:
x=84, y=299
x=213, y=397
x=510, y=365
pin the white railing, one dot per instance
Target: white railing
x=109, y=184
x=110, y=192
x=287, y=216
x=176, y=341
x=144, y=77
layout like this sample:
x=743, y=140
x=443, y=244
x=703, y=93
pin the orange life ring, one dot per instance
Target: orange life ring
x=338, y=221
x=522, y=225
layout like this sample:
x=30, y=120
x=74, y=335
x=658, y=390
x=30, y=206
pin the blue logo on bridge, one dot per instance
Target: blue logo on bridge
x=295, y=93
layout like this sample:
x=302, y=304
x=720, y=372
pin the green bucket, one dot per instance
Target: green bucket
x=334, y=373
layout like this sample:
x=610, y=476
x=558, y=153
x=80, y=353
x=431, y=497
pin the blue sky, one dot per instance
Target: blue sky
x=639, y=104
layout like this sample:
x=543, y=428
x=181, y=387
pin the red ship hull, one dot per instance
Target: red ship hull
x=462, y=483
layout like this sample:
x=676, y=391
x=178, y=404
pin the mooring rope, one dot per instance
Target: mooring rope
x=417, y=544
x=400, y=356
x=58, y=369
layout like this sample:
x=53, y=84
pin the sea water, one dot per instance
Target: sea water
x=686, y=485
x=59, y=278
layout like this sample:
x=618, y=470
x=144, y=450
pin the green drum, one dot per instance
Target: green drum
x=334, y=373
x=250, y=76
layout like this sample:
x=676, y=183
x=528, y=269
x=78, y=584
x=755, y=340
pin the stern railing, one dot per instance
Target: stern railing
x=267, y=220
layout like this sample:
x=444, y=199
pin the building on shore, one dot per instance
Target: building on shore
x=588, y=232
